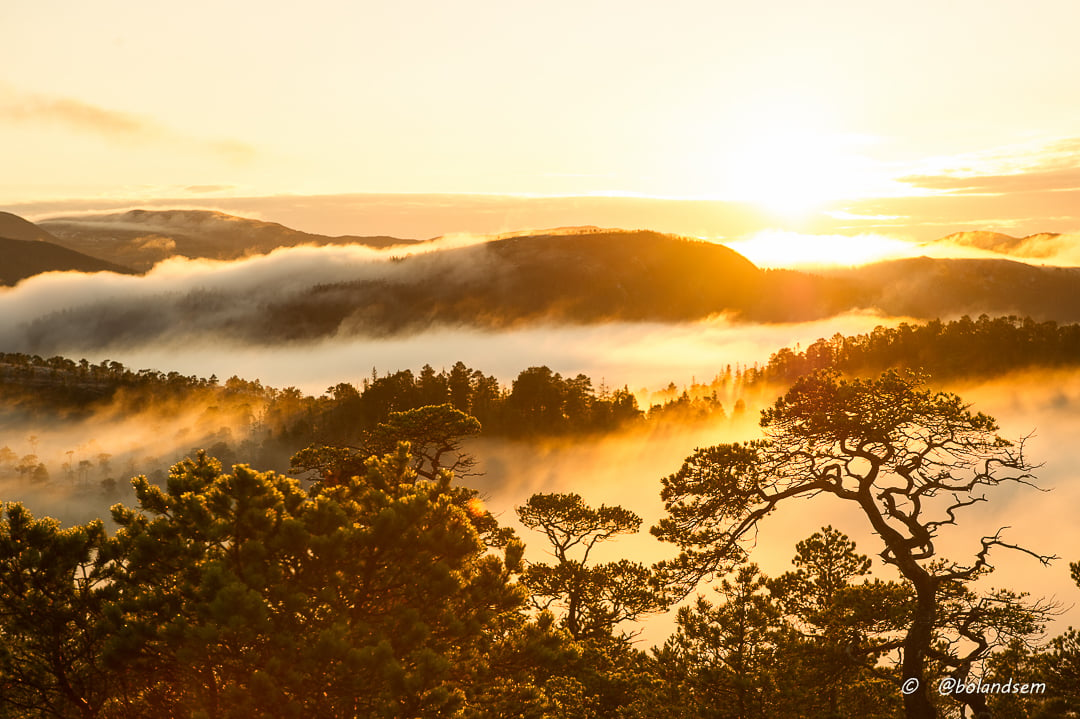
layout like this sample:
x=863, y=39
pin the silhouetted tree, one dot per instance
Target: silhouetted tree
x=594, y=598
x=536, y=401
x=907, y=459
x=608, y=677
x=435, y=435
x=8, y=459
x=459, y=387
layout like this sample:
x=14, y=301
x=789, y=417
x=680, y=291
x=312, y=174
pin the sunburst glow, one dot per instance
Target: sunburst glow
x=790, y=156
x=791, y=172
x=776, y=249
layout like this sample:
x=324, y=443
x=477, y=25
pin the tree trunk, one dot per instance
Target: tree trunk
x=917, y=704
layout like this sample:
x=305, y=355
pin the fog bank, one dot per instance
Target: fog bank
x=638, y=355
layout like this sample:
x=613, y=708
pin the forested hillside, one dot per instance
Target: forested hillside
x=927, y=288
x=959, y=349
x=539, y=401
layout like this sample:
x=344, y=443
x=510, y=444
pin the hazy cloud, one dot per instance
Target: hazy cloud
x=79, y=116
x=1020, y=189
x=205, y=189
x=933, y=217
x=235, y=151
x=422, y=216
x=922, y=218
x=1035, y=181
x=114, y=125
x=1016, y=169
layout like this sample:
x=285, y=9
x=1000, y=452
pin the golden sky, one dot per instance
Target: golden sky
x=872, y=115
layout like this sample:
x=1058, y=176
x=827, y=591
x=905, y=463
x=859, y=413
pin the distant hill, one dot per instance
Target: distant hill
x=570, y=277
x=141, y=238
x=1040, y=245
x=614, y=275
x=14, y=227
x=930, y=288
x=25, y=258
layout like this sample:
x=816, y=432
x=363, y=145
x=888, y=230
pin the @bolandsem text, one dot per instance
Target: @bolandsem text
x=951, y=685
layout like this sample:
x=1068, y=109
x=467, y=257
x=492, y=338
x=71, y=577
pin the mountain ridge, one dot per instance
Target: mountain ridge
x=141, y=238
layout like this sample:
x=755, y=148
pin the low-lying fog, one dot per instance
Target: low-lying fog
x=638, y=355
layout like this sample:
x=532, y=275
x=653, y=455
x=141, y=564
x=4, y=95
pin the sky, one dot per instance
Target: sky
x=841, y=115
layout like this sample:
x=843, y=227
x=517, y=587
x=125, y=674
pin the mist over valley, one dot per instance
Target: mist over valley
x=237, y=286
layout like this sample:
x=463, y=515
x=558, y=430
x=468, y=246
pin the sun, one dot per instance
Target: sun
x=789, y=155
x=791, y=171
x=785, y=173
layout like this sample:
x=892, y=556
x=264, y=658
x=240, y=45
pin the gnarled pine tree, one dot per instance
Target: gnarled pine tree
x=908, y=459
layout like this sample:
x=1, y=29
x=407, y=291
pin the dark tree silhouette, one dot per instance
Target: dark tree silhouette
x=908, y=459
x=595, y=597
